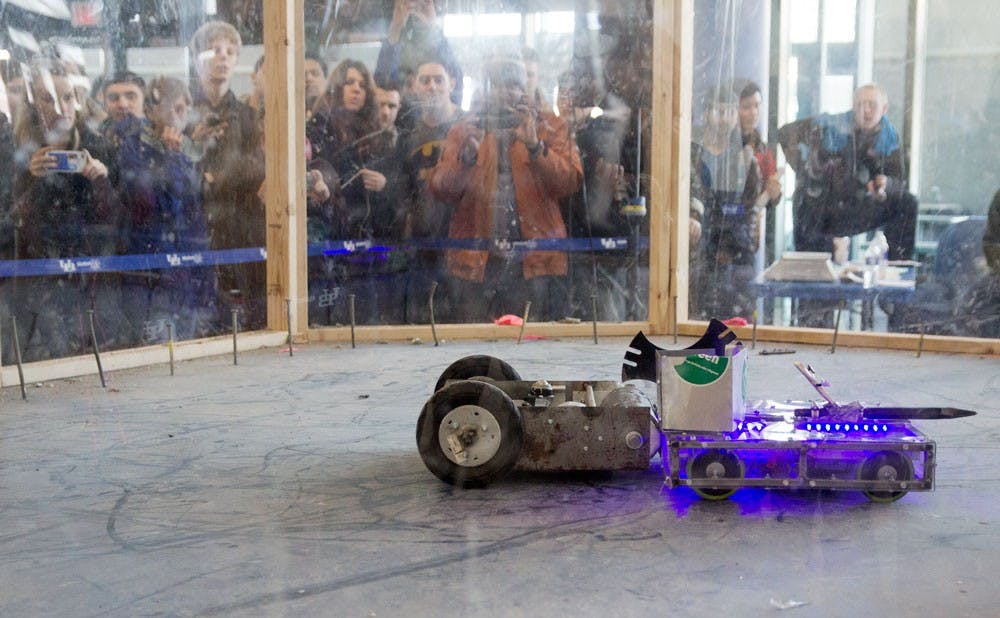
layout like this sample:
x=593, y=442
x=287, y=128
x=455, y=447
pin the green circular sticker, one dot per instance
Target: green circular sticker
x=702, y=369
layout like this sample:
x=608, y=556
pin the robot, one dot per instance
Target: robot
x=484, y=421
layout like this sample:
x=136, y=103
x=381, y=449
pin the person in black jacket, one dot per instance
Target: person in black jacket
x=62, y=213
x=850, y=176
x=231, y=170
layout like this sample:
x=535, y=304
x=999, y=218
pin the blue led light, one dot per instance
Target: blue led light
x=885, y=428
x=828, y=426
x=856, y=428
x=866, y=427
x=837, y=426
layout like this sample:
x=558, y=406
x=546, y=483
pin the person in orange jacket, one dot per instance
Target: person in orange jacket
x=505, y=168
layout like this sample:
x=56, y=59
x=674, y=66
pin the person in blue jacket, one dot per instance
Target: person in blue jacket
x=850, y=176
x=163, y=214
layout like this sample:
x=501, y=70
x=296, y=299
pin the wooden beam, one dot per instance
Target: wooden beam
x=61, y=368
x=547, y=330
x=284, y=136
x=885, y=341
x=670, y=169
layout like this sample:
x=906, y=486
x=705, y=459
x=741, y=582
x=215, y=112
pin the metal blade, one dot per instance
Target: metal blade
x=891, y=413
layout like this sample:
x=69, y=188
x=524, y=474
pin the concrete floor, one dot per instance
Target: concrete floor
x=293, y=487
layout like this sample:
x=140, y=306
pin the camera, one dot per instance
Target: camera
x=493, y=118
x=68, y=161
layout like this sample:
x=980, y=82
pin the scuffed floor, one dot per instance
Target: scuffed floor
x=291, y=486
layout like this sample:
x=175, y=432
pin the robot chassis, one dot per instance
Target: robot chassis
x=483, y=421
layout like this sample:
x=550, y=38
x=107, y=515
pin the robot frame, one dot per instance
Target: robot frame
x=483, y=421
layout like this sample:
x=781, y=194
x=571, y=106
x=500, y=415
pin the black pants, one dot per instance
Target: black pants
x=505, y=290
x=818, y=221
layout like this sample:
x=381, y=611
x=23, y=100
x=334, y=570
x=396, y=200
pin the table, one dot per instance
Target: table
x=840, y=291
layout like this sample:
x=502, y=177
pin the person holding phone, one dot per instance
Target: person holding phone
x=62, y=213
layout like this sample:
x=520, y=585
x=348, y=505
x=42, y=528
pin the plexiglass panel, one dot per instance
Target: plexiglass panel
x=471, y=157
x=843, y=165
x=131, y=156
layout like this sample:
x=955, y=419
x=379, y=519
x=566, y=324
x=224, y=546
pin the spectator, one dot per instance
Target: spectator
x=349, y=141
x=15, y=96
x=427, y=217
x=978, y=315
x=850, y=176
x=60, y=215
x=163, y=210
x=597, y=122
x=124, y=100
x=505, y=171
x=388, y=101
x=231, y=169
x=991, y=239
x=315, y=82
x=749, y=113
x=124, y=97
x=414, y=35
x=726, y=197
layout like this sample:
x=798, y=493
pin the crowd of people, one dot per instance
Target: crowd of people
x=438, y=197
x=130, y=167
x=849, y=179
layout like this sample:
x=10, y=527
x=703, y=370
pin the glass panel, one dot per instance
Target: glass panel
x=505, y=164
x=884, y=188
x=129, y=206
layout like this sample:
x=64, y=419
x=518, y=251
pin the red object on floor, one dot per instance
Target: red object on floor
x=509, y=320
x=736, y=321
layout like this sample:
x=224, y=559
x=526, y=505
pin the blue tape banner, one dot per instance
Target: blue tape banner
x=163, y=261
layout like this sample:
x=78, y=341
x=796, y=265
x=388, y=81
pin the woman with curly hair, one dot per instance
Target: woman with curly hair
x=354, y=155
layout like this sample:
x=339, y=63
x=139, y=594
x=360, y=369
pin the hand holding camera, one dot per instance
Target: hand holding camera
x=407, y=13
x=526, y=129
x=316, y=188
x=876, y=187
x=172, y=138
x=212, y=126
x=53, y=160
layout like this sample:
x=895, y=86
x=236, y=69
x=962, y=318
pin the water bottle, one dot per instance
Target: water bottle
x=878, y=254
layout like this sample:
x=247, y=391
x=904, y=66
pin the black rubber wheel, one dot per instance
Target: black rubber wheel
x=477, y=366
x=715, y=464
x=470, y=433
x=886, y=466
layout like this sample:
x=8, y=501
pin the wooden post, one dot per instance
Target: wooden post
x=285, y=192
x=673, y=23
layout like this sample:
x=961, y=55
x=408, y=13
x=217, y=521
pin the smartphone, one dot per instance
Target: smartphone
x=68, y=161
